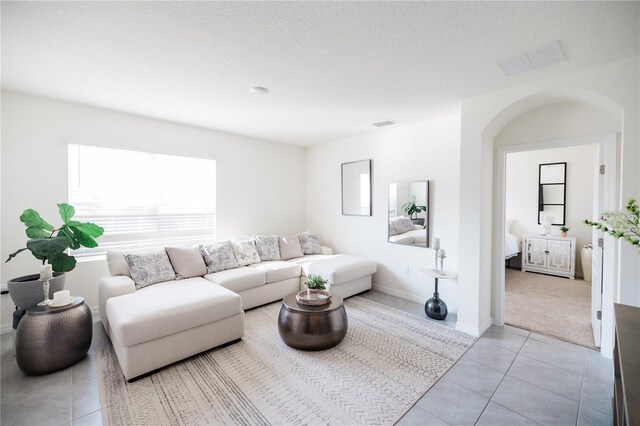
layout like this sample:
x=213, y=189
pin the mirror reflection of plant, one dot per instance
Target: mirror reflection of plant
x=412, y=209
x=315, y=282
x=621, y=224
x=49, y=244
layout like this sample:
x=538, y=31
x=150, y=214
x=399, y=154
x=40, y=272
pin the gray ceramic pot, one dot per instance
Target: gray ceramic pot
x=27, y=290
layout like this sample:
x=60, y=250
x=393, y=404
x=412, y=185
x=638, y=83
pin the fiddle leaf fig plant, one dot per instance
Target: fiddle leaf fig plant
x=49, y=244
x=315, y=282
x=412, y=209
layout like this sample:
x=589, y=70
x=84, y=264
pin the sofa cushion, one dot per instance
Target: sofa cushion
x=310, y=244
x=187, y=262
x=246, y=252
x=290, y=247
x=219, y=256
x=238, y=279
x=338, y=268
x=278, y=270
x=268, y=247
x=150, y=268
x=168, y=308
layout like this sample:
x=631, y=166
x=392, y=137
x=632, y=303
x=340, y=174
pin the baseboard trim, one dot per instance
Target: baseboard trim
x=473, y=330
x=405, y=296
x=6, y=328
x=398, y=293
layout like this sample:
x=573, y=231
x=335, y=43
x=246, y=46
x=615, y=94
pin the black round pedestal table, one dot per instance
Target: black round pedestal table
x=435, y=307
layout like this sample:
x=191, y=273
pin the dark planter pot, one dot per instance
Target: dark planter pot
x=27, y=290
x=418, y=221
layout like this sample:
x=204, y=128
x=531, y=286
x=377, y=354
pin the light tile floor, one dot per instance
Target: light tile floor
x=508, y=377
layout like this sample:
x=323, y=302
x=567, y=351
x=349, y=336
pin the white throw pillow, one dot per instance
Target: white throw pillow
x=150, y=268
x=219, y=256
x=246, y=252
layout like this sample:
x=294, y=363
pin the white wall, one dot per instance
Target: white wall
x=419, y=152
x=522, y=191
x=613, y=87
x=260, y=185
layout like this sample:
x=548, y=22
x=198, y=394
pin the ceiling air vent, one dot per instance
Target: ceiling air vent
x=535, y=59
x=384, y=123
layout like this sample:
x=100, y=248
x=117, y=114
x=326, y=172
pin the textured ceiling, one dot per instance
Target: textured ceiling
x=333, y=68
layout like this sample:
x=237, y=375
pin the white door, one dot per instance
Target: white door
x=536, y=252
x=597, y=257
x=559, y=257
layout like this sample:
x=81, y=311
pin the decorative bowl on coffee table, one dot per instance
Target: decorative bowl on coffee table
x=313, y=297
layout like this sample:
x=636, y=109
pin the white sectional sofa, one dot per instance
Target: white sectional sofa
x=163, y=323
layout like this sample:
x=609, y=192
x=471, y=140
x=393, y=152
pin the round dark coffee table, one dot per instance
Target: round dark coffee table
x=312, y=328
x=49, y=339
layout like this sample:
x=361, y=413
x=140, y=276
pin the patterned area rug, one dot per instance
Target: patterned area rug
x=387, y=361
x=553, y=306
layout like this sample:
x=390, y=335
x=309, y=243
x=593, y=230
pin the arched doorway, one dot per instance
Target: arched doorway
x=498, y=150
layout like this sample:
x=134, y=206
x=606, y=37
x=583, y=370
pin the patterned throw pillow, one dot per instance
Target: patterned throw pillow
x=150, y=268
x=392, y=230
x=219, y=256
x=268, y=248
x=402, y=225
x=246, y=252
x=310, y=244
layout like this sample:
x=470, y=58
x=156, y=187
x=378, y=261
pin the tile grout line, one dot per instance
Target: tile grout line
x=86, y=415
x=581, y=389
x=496, y=389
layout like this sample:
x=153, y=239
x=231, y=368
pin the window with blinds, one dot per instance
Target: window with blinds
x=142, y=200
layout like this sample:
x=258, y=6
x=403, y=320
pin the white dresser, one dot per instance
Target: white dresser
x=553, y=255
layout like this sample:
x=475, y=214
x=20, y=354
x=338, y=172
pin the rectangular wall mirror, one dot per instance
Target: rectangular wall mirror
x=552, y=192
x=409, y=213
x=356, y=188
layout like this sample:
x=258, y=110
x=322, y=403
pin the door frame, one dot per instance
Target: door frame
x=608, y=146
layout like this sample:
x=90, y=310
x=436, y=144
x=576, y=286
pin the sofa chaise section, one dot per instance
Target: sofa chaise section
x=170, y=321
x=347, y=275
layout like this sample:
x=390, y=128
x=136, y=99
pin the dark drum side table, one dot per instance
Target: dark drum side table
x=312, y=328
x=435, y=307
x=50, y=339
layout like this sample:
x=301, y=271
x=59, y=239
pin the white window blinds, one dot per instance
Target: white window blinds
x=142, y=200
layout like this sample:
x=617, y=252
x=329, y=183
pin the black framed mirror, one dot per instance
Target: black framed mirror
x=408, y=216
x=356, y=188
x=552, y=192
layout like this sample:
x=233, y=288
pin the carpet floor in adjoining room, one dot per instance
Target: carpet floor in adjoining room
x=387, y=361
x=553, y=306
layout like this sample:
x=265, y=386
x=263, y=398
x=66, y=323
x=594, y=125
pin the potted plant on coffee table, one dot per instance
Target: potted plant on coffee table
x=315, y=293
x=49, y=245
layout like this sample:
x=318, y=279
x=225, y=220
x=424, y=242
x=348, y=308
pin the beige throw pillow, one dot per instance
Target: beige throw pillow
x=117, y=263
x=187, y=262
x=290, y=247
